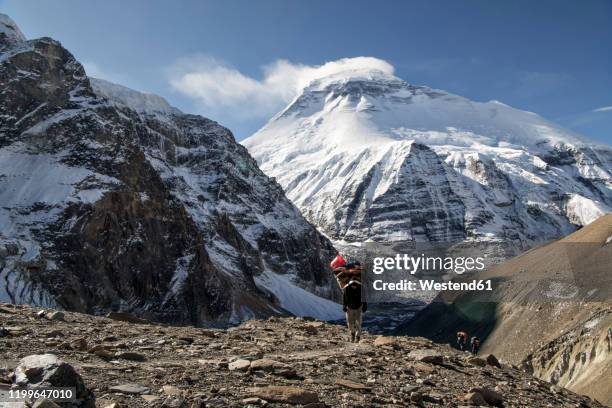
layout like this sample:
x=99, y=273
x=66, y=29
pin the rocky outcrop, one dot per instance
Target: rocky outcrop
x=580, y=359
x=113, y=200
x=278, y=362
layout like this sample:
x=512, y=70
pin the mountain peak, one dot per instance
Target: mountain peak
x=370, y=156
x=9, y=31
x=353, y=74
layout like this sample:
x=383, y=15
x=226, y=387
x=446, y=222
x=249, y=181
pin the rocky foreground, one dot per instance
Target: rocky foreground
x=124, y=362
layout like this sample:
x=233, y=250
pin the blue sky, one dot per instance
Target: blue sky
x=236, y=61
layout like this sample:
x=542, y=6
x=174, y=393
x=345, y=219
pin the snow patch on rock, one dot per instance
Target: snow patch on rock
x=297, y=300
x=583, y=211
x=10, y=30
x=139, y=101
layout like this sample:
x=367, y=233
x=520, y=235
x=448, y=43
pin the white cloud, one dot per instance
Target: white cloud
x=218, y=87
x=603, y=109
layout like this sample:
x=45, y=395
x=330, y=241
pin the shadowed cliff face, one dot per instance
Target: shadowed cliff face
x=153, y=211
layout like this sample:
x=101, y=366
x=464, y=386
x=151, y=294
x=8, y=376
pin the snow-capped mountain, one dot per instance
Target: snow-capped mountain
x=113, y=199
x=368, y=156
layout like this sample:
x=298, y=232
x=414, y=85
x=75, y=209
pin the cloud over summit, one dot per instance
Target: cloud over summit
x=216, y=86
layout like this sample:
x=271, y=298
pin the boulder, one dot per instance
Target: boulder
x=416, y=397
x=474, y=398
x=132, y=389
x=273, y=366
x=101, y=352
x=125, y=317
x=45, y=403
x=352, y=384
x=285, y=394
x=477, y=361
x=173, y=402
x=491, y=396
x=56, y=315
x=129, y=355
x=253, y=401
x=171, y=390
x=239, y=365
x=493, y=361
x=79, y=344
x=426, y=356
x=47, y=370
x=149, y=398
x=383, y=341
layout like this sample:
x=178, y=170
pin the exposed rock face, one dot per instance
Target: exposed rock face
x=550, y=312
x=328, y=370
x=112, y=199
x=366, y=155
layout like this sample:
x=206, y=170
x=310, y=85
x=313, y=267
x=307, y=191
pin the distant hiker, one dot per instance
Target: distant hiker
x=475, y=344
x=354, y=308
x=461, y=340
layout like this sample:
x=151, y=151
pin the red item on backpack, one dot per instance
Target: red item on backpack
x=338, y=262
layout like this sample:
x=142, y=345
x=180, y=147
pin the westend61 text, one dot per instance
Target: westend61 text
x=429, y=284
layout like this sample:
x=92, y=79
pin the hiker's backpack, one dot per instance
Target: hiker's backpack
x=338, y=262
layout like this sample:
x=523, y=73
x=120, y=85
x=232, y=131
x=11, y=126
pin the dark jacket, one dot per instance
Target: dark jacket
x=351, y=298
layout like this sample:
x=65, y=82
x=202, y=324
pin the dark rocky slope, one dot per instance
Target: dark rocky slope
x=108, y=204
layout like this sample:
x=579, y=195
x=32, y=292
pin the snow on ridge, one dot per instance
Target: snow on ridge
x=388, y=104
x=11, y=30
x=139, y=101
x=583, y=211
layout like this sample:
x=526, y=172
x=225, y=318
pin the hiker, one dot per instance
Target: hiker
x=353, y=306
x=461, y=340
x=475, y=344
x=349, y=276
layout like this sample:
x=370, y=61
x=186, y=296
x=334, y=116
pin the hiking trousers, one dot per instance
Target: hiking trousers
x=353, y=320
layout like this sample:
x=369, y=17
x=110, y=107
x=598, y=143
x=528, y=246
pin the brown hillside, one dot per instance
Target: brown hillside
x=550, y=311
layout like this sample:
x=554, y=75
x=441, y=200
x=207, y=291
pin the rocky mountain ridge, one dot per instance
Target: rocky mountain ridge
x=368, y=156
x=279, y=362
x=109, y=203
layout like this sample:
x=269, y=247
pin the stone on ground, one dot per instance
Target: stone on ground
x=130, y=388
x=426, y=356
x=47, y=370
x=239, y=365
x=286, y=394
